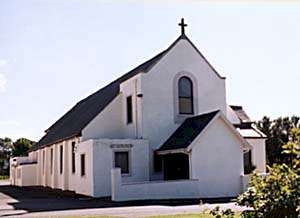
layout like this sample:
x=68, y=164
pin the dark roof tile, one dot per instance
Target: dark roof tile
x=71, y=124
x=188, y=131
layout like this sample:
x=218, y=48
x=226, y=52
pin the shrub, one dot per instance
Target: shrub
x=277, y=194
x=217, y=213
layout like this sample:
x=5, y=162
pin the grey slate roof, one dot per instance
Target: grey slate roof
x=188, y=131
x=71, y=124
x=239, y=111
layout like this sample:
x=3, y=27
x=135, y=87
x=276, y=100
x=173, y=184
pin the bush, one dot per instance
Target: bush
x=278, y=194
x=217, y=213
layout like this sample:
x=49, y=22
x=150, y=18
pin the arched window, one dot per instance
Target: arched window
x=185, y=96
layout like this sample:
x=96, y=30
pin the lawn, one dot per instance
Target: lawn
x=4, y=177
x=87, y=216
x=202, y=215
x=184, y=216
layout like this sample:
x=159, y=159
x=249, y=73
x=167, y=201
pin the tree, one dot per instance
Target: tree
x=21, y=146
x=278, y=133
x=277, y=194
x=5, y=153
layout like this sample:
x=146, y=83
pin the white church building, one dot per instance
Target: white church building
x=164, y=130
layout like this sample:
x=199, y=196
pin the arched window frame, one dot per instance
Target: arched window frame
x=179, y=118
x=183, y=96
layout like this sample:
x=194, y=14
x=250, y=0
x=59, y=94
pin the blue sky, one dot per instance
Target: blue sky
x=54, y=53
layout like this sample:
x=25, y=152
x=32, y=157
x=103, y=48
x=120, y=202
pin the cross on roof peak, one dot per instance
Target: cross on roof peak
x=182, y=25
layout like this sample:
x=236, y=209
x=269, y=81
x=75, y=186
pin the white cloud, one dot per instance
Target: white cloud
x=3, y=62
x=9, y=123
x=3, y=82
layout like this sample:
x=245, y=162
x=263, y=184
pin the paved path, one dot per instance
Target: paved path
x=43, y=202
x=137, y=211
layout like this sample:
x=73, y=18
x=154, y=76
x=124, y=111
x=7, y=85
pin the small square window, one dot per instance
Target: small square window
x=122, y=161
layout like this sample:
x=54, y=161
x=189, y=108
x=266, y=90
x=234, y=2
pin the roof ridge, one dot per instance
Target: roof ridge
x=77, y=117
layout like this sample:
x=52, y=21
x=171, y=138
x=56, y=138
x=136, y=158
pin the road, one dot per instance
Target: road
x=45, y=202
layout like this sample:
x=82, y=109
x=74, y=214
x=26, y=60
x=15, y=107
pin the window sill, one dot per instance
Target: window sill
x=179, y=118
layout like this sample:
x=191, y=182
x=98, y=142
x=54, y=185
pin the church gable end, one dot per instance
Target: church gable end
x=184, y=57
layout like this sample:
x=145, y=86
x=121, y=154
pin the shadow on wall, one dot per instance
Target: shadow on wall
x=39, y=199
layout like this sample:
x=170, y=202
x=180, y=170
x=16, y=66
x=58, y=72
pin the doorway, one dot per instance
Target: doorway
x=176, y=166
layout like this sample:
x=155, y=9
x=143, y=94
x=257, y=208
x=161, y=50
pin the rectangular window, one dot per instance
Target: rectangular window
x=129, y=109
x=82, y=161
x=61, y=159
x=248, y=167
x=51, y=160
x=157, y=162
x=73, y=157
x=122, y=161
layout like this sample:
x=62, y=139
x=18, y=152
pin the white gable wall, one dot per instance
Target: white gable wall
x=231, y=116
x=258, y=153
x=111, y=123
x=131, y=87
x=217, y=161
x=106, y=124
x=158, y=92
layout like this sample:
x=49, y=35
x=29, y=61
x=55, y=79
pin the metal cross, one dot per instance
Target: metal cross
x=182, y=24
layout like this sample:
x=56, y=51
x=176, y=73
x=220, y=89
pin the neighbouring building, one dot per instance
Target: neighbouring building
x=163, y=130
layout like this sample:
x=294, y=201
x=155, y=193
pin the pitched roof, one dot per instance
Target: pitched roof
x=188, y=131
x=251, y=132
x=71, y=124
x=241, y=114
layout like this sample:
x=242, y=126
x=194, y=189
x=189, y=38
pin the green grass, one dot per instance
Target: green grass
x=201, y=215
x=4, y=177
x=87, y=216
x=184, y=216
x=167, y=216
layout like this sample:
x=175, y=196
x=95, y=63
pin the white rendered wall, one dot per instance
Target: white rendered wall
x=107, y=124
x=72, y=176
x=217, y=161
x=258, y=153
x=84, y=184
x=23, y=174
x=179, y=189
x=111, y=123
x=44, y=177
x=103, y=154
x=231, y=116
x=158, y=91
x=132, y=87
x=26, y=175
